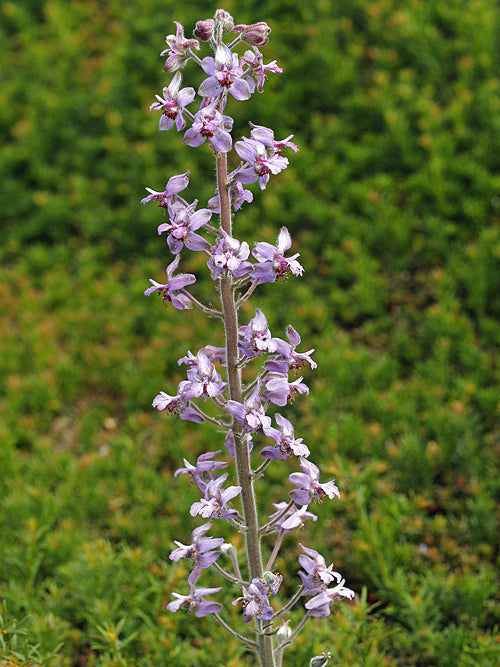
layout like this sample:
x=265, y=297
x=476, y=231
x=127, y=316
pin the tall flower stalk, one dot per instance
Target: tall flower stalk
x=213, y=390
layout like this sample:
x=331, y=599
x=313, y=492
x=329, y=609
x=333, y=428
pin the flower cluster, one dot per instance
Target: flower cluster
x=316, y=579
x=213, y=391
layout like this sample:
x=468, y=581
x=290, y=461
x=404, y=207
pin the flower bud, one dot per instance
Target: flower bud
x=284, y=632
x=204, y=30
x=320, y=660
x=226, y=19
x=227, y=549
x=256, y=34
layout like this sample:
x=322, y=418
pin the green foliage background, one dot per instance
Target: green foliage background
x=393, y=202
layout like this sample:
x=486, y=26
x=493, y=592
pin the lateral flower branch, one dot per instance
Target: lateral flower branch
x=213, y=390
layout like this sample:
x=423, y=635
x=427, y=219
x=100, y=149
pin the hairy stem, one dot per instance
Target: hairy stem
x=276, y=549
x=229, y=576
x=265, y=529
x=248, y=643
x=242, y=454
x=291, y=602
x=200, y=306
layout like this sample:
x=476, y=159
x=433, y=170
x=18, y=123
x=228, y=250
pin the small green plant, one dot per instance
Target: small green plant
x=15, y=648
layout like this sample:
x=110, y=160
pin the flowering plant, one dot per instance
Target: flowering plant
x=213, y=390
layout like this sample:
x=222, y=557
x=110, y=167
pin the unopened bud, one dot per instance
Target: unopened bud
x=204, y=30
x=256, y=34
x=284, y=632
x=226, y=19
x=320, y=660
x=227, y=549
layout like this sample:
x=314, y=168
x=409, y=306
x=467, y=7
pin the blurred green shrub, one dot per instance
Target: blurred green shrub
x=393, y=202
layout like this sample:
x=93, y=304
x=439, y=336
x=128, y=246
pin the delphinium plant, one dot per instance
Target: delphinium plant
x=213, y=391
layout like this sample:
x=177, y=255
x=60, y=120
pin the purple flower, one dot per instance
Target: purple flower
x=178, y=405
x=261, y=161
x=170, y=290
x=172, y=103
x=320, y=604
x=194, y=602
x=280, y=391
x=266, y=136
x=272, y=263
x=317, y=575
x=293, y=518
x=210, y=351
x=169, y=403
x=225, y=74
x=229, y=256
x=285, y=440
x=289, y=358
x=255, y=338
x=201, y=472
x=184, y=220
x=250, y=415
x=201, y=551
x=256, y=72
x=203, y=379
x=309, y=486
x=255, y=602
x=214, y=504
x=178, y=51
x=230, y=444
x=210, y=124
x=175, y=185
x=237, y=195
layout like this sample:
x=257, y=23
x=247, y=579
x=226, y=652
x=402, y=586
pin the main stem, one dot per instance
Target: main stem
x=242, y=453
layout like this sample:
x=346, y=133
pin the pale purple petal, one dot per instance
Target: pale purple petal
x=193, y=138
x=240, y=90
